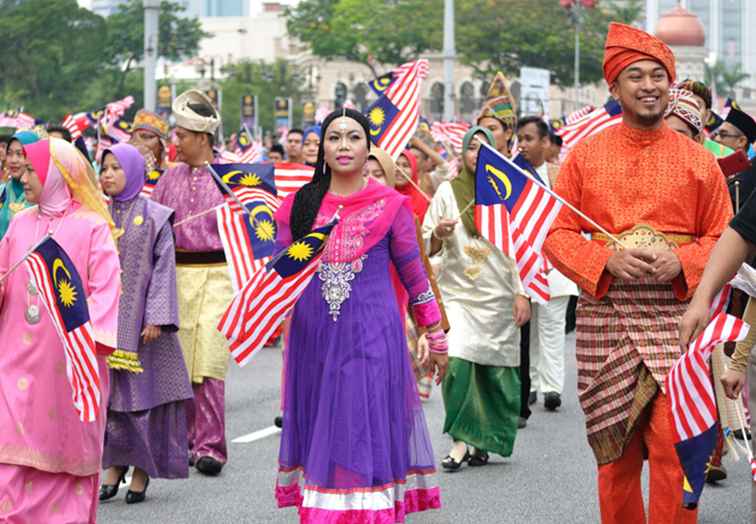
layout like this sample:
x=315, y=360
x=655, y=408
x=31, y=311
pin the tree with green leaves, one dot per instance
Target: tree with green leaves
x=267, y=81
x=370, y=32
x=179, y=38
x=51, y=53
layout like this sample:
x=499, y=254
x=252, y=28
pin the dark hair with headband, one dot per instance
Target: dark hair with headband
x=307, y=201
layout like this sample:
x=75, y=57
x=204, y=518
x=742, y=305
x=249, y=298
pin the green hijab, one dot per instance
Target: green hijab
x=463, y=185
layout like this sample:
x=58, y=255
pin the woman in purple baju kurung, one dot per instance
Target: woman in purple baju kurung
x=146, y=425
x=355, y=445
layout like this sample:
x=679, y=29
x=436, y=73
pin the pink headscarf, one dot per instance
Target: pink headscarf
x=56, y=197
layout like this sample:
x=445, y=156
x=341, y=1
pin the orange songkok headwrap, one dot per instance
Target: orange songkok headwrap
x=626, y=45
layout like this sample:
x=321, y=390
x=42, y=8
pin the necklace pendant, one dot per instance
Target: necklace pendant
x=31, y=288
x=32, y=314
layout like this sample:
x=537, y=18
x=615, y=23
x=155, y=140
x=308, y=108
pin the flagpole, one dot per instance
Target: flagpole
x=555, y=195
x=468, y=206
x=225, y=186
x=27, y=255
x=413, y=184
x=198, y=215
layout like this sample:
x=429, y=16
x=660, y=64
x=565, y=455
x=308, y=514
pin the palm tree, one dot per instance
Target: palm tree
x=732, y=76
x=627, y=13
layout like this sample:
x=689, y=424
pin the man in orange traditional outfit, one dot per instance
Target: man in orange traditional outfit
x=638, y=173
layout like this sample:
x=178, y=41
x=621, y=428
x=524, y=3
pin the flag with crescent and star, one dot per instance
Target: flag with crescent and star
x=380, y=84
x=61, y=291
x=394, y=116
x=692, y=402
x=514, y=211
x=262, y=304
x=248, y=234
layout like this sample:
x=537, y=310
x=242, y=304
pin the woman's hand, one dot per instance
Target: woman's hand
x=733, y=382
x=151, y=333
x=423, y=350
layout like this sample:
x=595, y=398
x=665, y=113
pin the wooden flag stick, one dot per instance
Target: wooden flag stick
x=741, y=420
x=27, y=255
x=468, y=206
x=555, y=195
x=198, y=215
x=412, y=182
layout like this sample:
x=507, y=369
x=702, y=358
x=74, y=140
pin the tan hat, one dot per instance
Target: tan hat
x=188, y=118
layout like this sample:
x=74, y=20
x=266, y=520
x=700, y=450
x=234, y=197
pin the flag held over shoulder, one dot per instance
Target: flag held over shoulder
x=261, y=305
x=62, y=292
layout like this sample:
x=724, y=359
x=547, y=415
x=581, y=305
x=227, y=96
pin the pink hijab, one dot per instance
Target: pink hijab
x=56, y=197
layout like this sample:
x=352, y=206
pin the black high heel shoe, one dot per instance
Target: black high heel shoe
x=108, y=491
x=449, y=464
x=135, y=497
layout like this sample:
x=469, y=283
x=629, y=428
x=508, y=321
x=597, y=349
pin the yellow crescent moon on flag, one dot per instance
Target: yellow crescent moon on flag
x=262, y=208
x=231, y=174
x=58, y=264
x=319, y=236
x=503, y=178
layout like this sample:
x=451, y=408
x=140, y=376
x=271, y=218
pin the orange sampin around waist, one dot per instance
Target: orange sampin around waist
x=644, y=236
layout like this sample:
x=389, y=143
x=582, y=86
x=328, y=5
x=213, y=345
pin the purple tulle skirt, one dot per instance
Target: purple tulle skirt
x=355, y=445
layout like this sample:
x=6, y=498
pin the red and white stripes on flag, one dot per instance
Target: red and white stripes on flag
x=494, y=225
x=579, y=115
x=596, y=121
x=79, y=346
x=251, y=155
x=451, y=132
x=16, y=119
x=233, y=234
x=256, y=311
x=689, y=385
x=76, y=124
x=115, y=110
x=290, y=176
x=404, y=93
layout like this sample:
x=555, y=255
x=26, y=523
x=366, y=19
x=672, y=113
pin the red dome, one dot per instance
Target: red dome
x=680, y=27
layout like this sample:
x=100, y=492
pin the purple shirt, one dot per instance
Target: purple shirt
x=191, y=192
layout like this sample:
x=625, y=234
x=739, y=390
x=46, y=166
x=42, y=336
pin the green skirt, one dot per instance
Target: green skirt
x=482, y=405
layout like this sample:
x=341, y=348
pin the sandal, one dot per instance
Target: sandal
x=450, y=464
x=478, y=458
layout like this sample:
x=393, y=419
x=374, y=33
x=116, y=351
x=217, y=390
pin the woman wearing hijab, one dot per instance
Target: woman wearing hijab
x=146, y=425
x=311, y=144
x=12, y=198
x=407, y=170
x=483, y=293
x=380, y=166
x=355, y=445
x=49, y=459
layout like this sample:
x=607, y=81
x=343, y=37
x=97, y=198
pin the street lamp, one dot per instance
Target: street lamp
x=575, y=8
x=151, y=42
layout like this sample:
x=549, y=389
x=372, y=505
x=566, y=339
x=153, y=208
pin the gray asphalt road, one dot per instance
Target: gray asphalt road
x=549, y=479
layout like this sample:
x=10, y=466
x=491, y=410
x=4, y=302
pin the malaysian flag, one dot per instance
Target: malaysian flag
x=16, y=119
x=62, y=293
x=383, y=82
x=394, y=116
x=115, y=110
x=290, y=176
x=248, y=235
x=579, y=115
x=248, y=150
x=259, y=308
x=693, y=404
x=150, y=181
x=451, y=133
x=608, y=115
x=76, y=124
x=514, y=212
x=119, y=130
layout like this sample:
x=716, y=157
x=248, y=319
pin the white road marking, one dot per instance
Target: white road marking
x=257, y=435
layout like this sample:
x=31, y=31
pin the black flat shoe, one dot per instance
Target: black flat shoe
x=552, y=401
x=278, y=422
x=135, y=497
x=532, y=398
x=108, y=491
x=479, y=458
x=209, y=466
x=450, y=464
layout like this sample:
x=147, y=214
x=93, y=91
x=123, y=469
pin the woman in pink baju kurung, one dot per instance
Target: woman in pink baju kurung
x=49, y=459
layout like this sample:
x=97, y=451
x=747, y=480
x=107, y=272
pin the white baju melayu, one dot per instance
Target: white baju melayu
x=547, y=328
x=478, y=284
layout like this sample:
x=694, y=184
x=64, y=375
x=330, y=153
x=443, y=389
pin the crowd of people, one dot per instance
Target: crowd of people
x=408, y=296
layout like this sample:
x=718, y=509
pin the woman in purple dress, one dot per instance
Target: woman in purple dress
x=149, y=383
x=355, y=445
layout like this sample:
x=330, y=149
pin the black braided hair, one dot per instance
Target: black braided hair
x=307, y=201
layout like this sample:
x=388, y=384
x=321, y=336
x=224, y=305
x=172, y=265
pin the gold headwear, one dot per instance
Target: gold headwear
x=188, y=118
x=499, y=103
x=151, y=122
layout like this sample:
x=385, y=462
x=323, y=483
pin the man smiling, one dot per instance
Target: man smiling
x=664, y=197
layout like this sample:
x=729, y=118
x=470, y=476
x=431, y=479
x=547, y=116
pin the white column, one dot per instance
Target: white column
x=151, y=15
x=714, y=43
x=449, y=56
x=652, y=15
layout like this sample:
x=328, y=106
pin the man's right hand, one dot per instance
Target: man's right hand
x=631, y=264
